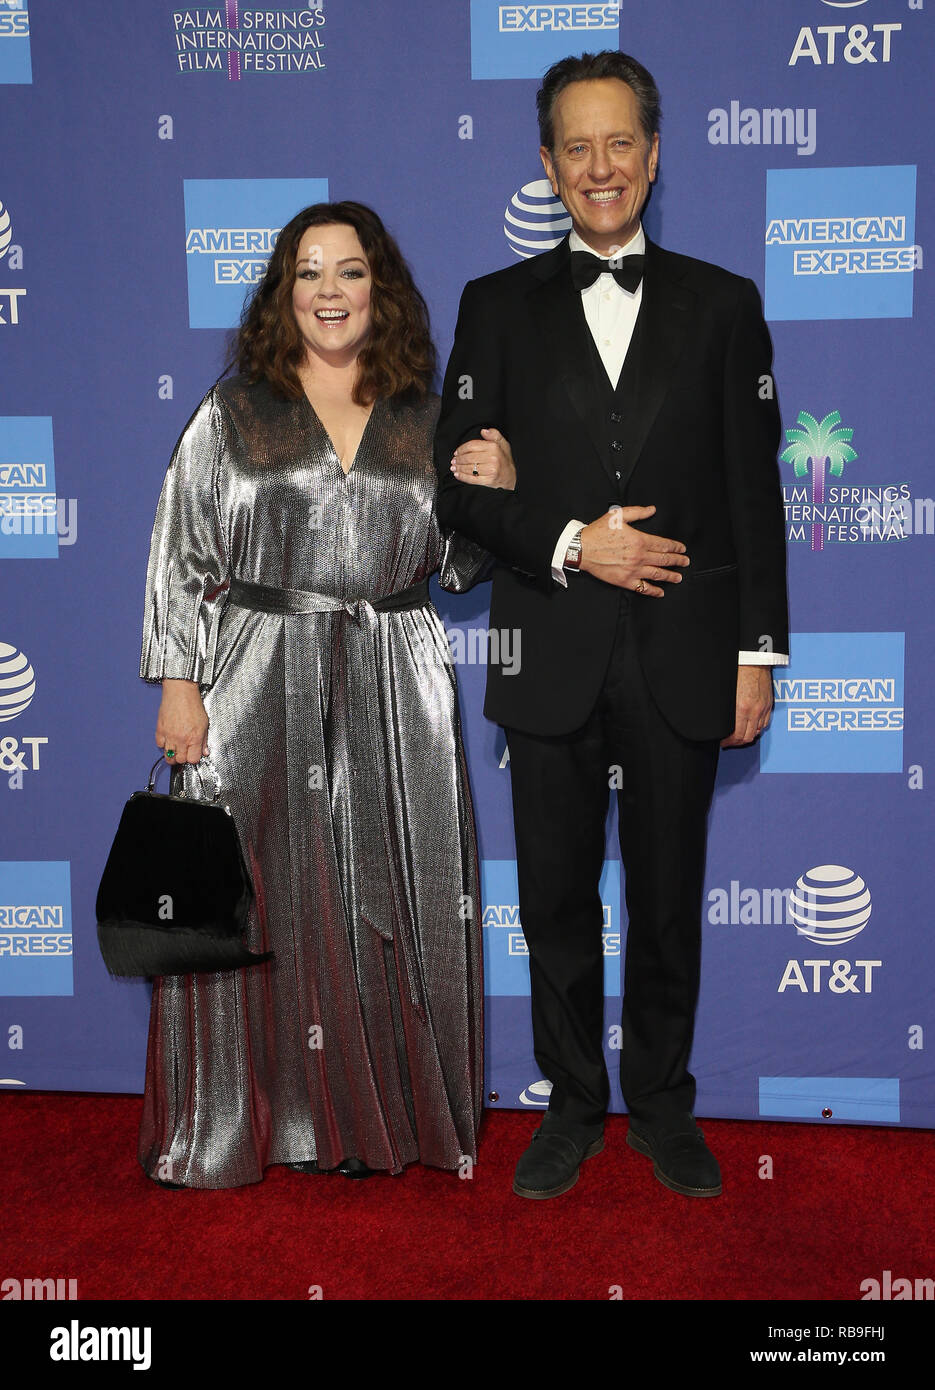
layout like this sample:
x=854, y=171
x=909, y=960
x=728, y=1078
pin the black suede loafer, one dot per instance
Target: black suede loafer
x=681, y=1159
x=550, y=1165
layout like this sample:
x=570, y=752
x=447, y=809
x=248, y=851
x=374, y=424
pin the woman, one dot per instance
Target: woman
x=288, y=619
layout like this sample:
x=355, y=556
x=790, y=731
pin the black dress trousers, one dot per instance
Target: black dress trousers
x=561, y=787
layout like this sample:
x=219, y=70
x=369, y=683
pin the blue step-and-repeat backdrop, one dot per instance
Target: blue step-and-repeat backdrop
x=150, y=152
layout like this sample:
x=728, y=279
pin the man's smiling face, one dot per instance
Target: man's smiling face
x=603, y=162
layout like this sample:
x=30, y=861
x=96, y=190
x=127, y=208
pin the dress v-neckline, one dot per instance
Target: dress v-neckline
x=360, y=443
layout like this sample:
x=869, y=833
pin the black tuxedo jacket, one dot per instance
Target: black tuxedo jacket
x=700, y=438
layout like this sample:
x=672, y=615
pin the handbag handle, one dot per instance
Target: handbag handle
x=161, y=762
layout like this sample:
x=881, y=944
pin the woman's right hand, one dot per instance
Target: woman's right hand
x=182, y=723
x=486, y=462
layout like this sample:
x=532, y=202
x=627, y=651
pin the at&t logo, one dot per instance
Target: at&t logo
x=17, y=687
x=537, y=1094
x=830, y=905
x=17, y=682
x=534, y=219
x=6, y=231
x=852, y=43
x=12, y=259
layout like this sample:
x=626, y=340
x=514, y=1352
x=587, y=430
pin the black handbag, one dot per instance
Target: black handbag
x=175, y=892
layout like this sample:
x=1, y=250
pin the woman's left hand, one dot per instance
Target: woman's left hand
x=487, y=462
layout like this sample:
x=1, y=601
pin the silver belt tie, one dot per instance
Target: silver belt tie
x=265, y=599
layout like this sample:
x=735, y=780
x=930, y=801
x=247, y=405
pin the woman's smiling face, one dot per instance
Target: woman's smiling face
x=331, y=293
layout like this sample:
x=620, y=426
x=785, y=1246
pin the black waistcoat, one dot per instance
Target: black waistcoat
x=616, y=400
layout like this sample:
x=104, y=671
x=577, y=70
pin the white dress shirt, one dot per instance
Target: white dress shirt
x=611, y=312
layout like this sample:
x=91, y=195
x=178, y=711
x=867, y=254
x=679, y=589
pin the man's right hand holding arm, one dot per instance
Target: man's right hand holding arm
x=615, y=551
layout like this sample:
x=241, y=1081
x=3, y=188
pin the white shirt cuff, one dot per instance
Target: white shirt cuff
x=762, y=659
x=558, y=554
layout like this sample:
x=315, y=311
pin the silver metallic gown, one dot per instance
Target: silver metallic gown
x=337, y=743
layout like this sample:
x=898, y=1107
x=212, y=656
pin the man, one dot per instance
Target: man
x=641, y=550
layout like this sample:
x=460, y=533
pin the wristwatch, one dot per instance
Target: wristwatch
x=572, y=559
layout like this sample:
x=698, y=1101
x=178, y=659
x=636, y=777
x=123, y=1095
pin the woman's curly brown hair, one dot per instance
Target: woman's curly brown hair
x=398, y=357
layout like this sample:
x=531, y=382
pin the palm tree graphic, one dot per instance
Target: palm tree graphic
x=823, y=445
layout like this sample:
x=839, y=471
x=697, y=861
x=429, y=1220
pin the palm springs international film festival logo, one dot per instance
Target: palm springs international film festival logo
x=839, y=705
x=816, y=449
x=15, y=58
x=840, y=243
x=534, y=219
x=824, y=505
x=238, y=41
x=509, y=40
x=231, y=227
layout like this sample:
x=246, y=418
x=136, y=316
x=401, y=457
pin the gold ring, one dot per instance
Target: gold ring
x=640, y=587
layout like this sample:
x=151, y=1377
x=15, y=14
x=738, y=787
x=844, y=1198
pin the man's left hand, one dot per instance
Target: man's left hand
x=754, y=704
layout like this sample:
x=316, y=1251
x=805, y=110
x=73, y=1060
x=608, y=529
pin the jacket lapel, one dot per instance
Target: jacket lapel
x=658, y=341
x=558, y=311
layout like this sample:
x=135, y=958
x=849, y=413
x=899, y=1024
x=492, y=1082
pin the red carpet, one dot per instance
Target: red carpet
x=844, y=1204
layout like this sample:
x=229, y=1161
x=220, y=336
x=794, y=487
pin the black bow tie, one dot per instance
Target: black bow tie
x=626, y=270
